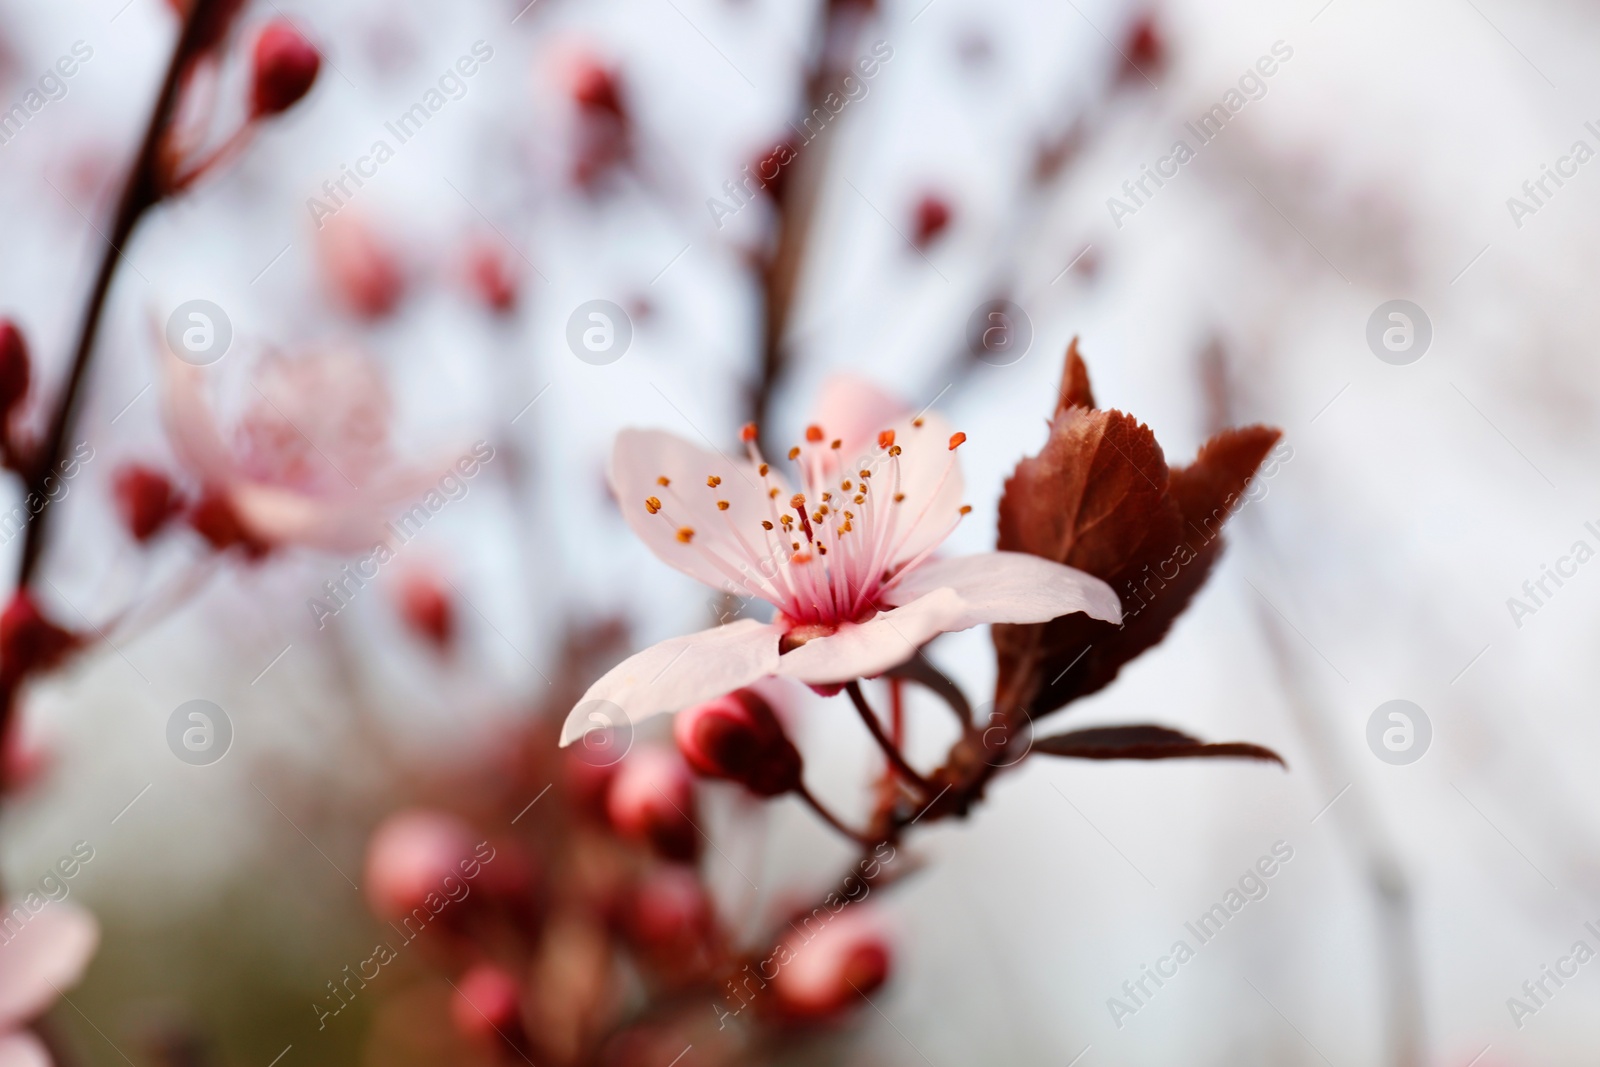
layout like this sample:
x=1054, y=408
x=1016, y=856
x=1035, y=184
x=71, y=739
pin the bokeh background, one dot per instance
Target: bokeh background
x=1375, y=563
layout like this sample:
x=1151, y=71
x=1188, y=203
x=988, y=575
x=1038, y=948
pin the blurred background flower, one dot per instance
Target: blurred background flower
x=455, y=195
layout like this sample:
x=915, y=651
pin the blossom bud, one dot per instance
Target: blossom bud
x=932, y=216
x=284, y=68
x=486, y=1003
x=1144, y=49
x=671, y=912
x=651, y=799
x=491, y=277
x=427, y=608
x=362, y=270
x=771, y=169
x=409, y=857
x=30, y=642
x=595, y=87
x=145, y=499
x=830, y=968
x=15, y=368
x=737, y=737
x=214, y=518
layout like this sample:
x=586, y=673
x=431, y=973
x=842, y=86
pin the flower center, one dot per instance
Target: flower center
x=824, y=555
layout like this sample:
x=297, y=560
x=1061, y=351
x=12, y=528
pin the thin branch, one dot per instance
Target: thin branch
x=141, y=193
x=896, y=759
x=918, y=669
x=830, y=818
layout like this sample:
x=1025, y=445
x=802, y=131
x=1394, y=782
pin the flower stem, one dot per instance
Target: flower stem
x=829, y=817
x=890, y=752
x=919, y=670
x=141, y=192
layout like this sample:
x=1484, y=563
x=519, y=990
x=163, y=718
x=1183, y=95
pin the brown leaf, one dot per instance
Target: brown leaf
x=1075, y=391
x=1207, y=489
x=1099, y=497
x=1144, y=741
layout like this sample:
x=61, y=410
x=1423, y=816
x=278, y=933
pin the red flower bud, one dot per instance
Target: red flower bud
x=486, y=1002
x=932, y=217
x=595, y=87
x=737, y=737
x=410, y=856
x=651, y=799
x=362, y=269
x=671, y=913
x=145, y=499
x=491, y=278
x=772, y=169
x=427, y=608
x=1145, y=49
x=214, y=518
x=832, y=961
x=15, y=369
x=29, y=642
x=285, y=66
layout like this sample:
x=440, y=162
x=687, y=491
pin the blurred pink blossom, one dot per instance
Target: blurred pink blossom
x=309, y=462
x=49, y=953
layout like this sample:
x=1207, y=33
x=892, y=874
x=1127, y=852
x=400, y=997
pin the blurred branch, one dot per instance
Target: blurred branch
x=1363, y=831
x=144, y=189
x=801, y=192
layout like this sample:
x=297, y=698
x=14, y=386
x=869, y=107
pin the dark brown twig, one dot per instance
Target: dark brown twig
x=896, y=759
x=811, y=801
x=143, y=190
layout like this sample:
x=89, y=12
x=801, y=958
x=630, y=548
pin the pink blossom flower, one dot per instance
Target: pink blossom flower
x=829, y=969
x=309, y=462
x=48, y=954
x=846, y=561
x=410, y=856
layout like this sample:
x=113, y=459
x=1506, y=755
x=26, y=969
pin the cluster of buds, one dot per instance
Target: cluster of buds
x=618, y=946
x=604, y=125
x=283, y=68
